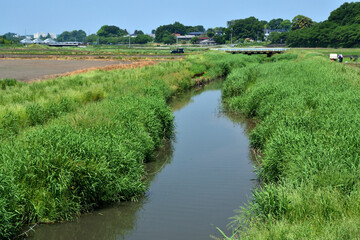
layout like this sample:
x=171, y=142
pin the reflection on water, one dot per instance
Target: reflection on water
x=196, y=181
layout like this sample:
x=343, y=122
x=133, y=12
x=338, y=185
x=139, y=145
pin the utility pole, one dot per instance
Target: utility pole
x=129, y=40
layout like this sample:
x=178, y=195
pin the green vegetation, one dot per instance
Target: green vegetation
x=340, y=30
x=164, y=33
x=308, y=147
x=77, y=143
x=111, y=51
x=73, y=36
x=5, y=41
x=246, y=28
x=279, y=23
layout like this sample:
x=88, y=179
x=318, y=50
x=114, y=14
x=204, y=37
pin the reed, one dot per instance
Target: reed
x=310, y=162
x=79, y=142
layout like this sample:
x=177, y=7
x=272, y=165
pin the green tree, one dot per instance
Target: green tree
x=301, y=22
x=3, y=40
x=162, y=32
x=275, y=23
x=111, y=31
x=340, y=30
x=138, y=32
x=194, y=40
x=285, y=25
x=142, y=39
x=198, y=28
x=75, y=35
x=92, y=38
x=348, y=13
x=64, y=37
x=219, y=39
x=11, y=38
x=246, y=28
x=210, y=34
x=277, y=38
x=219, y=29
x=169, y=39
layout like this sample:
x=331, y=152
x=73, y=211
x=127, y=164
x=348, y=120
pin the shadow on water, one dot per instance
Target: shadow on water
x=195, y=182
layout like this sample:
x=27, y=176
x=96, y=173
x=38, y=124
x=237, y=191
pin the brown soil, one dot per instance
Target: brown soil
x=38, y=69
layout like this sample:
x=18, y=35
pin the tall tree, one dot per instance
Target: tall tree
x=275, y=23
x=138, y=32
x=142, y=39
x=111, y=31
x=301, y=22
x=75, y=35
x=348, y=13
x=285, y=25
x=246, y=28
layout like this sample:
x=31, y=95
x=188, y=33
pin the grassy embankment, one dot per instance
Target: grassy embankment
x=102, y=50
x=79, y=142
x=309, y=142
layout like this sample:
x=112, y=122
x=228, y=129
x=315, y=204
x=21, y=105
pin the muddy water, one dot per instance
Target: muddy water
x=197, y=181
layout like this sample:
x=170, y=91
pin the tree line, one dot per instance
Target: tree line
x=341, y=29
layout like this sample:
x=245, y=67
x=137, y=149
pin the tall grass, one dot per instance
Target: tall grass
x=308, y=137
x=80, y=142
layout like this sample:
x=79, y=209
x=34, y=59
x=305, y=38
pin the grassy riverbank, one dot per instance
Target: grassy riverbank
x=79, y=142
x=103, y=50
x=309, y=143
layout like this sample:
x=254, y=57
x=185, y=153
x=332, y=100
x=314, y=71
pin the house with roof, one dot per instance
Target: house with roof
x=185, y=38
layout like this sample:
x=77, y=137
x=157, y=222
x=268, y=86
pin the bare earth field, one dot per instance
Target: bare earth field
x=32, y=69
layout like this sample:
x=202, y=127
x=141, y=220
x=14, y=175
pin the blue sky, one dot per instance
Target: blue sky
x=66, y=15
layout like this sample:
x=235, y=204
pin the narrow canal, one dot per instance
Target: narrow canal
x=197, y=180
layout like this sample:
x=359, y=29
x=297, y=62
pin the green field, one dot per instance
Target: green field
x=111, y=50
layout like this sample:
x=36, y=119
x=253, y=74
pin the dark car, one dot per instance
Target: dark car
x=178, y=50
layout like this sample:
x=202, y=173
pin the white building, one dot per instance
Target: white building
x=186, y=37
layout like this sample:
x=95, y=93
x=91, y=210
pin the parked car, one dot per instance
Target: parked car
x=178, y=50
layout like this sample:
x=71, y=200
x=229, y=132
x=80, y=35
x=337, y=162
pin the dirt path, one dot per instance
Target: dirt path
x=31, y=69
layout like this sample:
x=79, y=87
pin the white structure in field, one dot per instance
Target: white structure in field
x=26, y=41
x=49, y=40
x=37, y=41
